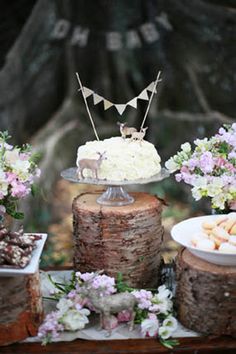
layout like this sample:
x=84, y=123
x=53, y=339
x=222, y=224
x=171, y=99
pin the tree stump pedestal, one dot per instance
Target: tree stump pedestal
x=21, y=308
x=206, y=295
x=123, y=239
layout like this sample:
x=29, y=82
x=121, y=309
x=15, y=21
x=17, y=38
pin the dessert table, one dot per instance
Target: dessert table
x=132, y=346
x=194, y=345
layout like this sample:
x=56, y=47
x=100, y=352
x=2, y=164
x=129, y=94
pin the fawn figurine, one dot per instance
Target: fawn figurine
x=126, y=131
x=139, y=135
x=108, y=305
x=90, y=164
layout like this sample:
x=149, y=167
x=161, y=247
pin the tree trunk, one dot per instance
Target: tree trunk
x=20, y=307
x=206, y=295
x=123, y=239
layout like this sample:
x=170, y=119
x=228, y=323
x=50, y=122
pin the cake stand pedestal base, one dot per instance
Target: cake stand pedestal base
x=115, y=196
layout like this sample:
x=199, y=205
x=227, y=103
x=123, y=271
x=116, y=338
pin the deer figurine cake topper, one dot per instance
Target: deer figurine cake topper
x=90, y=164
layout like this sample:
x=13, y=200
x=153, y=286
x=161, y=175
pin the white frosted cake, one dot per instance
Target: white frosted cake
x=126, y=160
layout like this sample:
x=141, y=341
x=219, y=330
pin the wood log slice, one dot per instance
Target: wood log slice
x=21, y=308
x=123, y=239
x=206, y=295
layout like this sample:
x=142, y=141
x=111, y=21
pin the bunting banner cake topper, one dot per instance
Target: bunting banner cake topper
x=86, y=92
x=120, y=107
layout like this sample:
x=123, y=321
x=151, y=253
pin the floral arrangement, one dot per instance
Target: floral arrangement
x=18, y=169
x=153, y=311
x=210, y=167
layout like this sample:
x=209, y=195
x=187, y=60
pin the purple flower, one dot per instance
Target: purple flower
x=206, y=162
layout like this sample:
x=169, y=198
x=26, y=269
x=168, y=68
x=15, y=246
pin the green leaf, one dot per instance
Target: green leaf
x=169, y=343
x=35, y=190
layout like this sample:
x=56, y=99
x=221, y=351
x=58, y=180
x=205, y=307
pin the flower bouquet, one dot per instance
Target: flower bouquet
x=153, y=310
x=209, y=167
x=18, y=169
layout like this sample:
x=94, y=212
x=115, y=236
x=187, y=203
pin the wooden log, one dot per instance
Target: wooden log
x=123, y=239
x=21, y=309
x=206, y=295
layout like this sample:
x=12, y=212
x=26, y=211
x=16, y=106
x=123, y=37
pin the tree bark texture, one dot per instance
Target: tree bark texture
x=123, y=239
x=21, y=309
x=206, y=295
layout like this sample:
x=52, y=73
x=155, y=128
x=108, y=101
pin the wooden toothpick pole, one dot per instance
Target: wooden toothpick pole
x=150, y=101
x=87, y=107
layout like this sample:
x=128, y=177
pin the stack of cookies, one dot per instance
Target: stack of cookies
x=218, y=234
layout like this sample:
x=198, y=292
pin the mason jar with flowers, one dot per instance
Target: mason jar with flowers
x=209, y=167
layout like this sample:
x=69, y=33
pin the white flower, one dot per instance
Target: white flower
x=219, y=201
x=171, y=165
x=3, y=184
x=164, y=293
x=11, y=156
x=186, y=147
x=164, y=332
x=75, y=319
x=215, y=187
x=196, y=192
x=171, y=323
x=202, y=144
x=64, y=305
x=149, y=326
x=200, y=182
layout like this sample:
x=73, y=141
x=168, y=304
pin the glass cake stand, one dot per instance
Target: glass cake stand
x=115, y=194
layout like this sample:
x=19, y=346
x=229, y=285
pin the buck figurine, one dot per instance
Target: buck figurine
x=90, y=164
x=139, y=135
x=126, y=131
x=108, y=305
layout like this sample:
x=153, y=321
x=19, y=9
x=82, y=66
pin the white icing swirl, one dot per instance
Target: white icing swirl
x=125, y=159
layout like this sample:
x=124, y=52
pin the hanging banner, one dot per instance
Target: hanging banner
x=120, y=107
x=146, y=33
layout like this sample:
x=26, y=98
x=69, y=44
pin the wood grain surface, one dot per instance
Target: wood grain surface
x=21, y=309
x=206, y=295
x=123, y=239
x=201, y=345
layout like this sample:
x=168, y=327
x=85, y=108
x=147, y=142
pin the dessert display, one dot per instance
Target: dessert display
x=218, y=234
x=16, y=247
x=119, y=159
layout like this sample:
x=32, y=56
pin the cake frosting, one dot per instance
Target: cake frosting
x=126, y=160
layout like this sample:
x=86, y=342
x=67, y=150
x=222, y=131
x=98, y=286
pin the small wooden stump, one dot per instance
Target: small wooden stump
x=206, y=295
x=123, y=239
x=21, y=309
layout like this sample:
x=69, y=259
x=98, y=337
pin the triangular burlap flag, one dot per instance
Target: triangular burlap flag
x=120, y=108
x=133, y=102
x=107, y=104
x=97, y=98
x=151, y=87
x=143, y=95
x=87, y=92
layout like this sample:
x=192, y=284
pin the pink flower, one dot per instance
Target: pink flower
x=19, y=190
x=11, y=177
x=124, y=316
x=206, y=162
x=109, y=322
x=24, y=156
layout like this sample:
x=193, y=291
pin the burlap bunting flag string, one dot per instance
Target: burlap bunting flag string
x=120, y=107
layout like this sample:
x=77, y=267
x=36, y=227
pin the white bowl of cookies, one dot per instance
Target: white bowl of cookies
x=211, y=237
